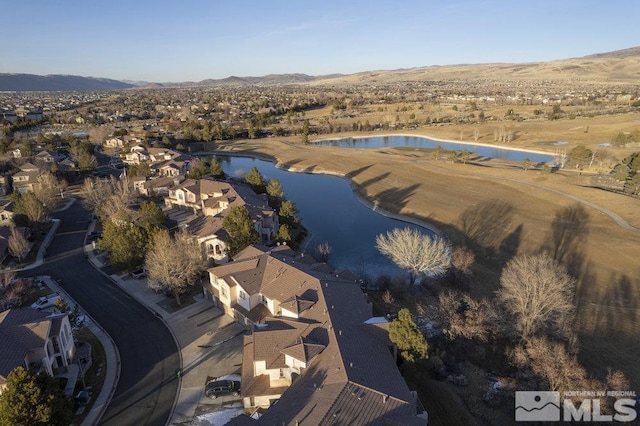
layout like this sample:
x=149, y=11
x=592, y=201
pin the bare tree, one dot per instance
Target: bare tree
x=18, y=243
x=538, y=295
x=174, y=263
x=462, y=259
x=6, y=277
x=49, y=190
x=96, y=191
x=32, y=207
x=108, y=196
x=555, y=366
x=324, y=250
x=414, y=251
x=462, y=316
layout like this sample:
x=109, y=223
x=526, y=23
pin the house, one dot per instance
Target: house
x=6, y=211
x=136, y=155
x=313, y=349
x=5, y=184
x=211, y=236
x=158, y=186
x=213, y=198
x=114, y=142
x=35, y=340
x=26, y=179
x=45, y=157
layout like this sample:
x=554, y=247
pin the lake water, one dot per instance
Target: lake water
x=422, y=142
x=331, y=213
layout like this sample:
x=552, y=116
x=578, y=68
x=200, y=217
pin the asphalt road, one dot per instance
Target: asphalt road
x=147, y=387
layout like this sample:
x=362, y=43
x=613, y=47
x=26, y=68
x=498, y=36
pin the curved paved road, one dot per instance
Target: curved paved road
x=147, y=387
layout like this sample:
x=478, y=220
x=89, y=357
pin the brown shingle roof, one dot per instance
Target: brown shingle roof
x=20, y=331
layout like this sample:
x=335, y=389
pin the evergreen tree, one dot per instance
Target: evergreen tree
x=288, y=212
x=406, y=335
x=275, y=192
x=32, y=400
x=215, y=169
x=239, y=226
x=255, y=180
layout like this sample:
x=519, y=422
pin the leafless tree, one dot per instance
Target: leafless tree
x=538, y=295
x=324, y=250
x=49, y=190
x=18, y=243
x=174, y=263
x=414, y=251
x=96, y=191
x=6, y=277
x=476, y=135
x=33, y=208
x=462, y=316
x=555, y=366
x=462, y=259
x=15, y=293
x=108, y=196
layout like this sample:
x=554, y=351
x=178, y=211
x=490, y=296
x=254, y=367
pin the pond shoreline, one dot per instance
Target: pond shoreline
x=355, y=189
x=428, y=138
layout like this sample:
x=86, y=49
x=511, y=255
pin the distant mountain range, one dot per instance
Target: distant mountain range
x=53, y=83
x=620, y=66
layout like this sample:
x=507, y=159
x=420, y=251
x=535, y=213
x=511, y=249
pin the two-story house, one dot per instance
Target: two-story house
x=26, y=179
x=314, y=348
x=209, y=197
x=35, y=340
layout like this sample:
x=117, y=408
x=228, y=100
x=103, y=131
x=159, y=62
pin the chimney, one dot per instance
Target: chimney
x=384, y=398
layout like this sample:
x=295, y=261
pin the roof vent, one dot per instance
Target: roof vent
x=385, y=398
x=351, y=364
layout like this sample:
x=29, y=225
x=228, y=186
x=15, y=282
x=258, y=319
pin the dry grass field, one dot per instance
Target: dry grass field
x=519, y=208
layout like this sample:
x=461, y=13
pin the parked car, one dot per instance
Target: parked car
x=139, y=273
x=218, y=388
x=44, y=302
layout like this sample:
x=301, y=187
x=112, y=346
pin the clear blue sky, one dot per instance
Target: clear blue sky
x=184, y=40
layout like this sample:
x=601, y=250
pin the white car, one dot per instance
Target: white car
x=44, y=302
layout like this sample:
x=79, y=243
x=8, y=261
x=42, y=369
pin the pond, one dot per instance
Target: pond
x=331, y=213
x=395, y=141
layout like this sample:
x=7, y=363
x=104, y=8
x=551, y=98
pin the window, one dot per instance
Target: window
x=243, y=295
x=223, y=291
x=264, y=301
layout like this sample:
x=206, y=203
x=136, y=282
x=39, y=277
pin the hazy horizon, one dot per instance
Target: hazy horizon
x=175, y=42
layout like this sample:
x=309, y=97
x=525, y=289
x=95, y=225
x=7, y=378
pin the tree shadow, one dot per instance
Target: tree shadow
x=608, y=318
x=487, y=223
x=356, y=172
x=567, y=237
x=399, y=197
x=373, y=180
x=510, y=244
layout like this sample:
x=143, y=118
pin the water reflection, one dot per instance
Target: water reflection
x=422, y=142
x=331, y=213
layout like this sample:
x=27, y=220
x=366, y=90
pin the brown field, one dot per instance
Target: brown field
x=520, y=208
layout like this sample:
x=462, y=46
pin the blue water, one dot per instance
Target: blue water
x=329, y=210
x=422, y=142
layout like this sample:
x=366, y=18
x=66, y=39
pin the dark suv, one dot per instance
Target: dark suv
x=221, y=388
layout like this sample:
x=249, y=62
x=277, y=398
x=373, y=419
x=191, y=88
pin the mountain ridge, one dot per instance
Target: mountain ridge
x=619, y=66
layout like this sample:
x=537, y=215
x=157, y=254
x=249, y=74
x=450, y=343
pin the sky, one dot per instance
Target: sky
x=188, y=40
